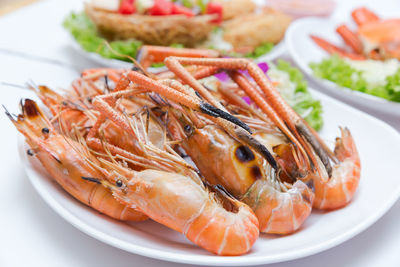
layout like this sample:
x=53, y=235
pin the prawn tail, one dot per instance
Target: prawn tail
x=338, y=190
x=280, y=212
x=345, y=147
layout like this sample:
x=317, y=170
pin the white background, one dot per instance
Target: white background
x=31, y=234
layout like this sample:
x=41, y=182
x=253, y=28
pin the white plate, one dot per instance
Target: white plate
x=379, y=188
x=277, y=51
x=304, y=51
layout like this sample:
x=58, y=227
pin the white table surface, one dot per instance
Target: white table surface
x=31, y=234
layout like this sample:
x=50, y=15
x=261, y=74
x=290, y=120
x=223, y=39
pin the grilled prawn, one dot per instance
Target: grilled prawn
x=320, y=167
x=170, y=191
x=61, y=157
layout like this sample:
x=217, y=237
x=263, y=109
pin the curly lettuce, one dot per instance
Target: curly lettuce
x=304, y=104
x=393, y=86
x=339, y=71
x=84, y=31
x=260, y=50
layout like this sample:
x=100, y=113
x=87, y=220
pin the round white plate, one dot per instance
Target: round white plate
x=378, y=190
x=277, y=51
x=304, y=51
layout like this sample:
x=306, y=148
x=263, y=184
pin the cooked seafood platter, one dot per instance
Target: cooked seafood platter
x=198, y=131
x=117, y=141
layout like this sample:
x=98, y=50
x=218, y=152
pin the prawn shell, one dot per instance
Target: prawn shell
x=230, y=236
x=67, y=171
x=280, y=212
x=60, y=157
x=226, y=168
x=181, y=204
x=338, y=191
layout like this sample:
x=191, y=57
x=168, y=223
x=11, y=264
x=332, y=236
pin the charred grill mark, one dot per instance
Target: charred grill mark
x=244, y=154
x=256, y=172
x=260, y=148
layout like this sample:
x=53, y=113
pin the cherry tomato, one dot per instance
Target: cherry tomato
x=161, y=8
x=215, y=8
x=178, y=9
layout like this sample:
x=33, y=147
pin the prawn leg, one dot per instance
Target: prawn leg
x=332, y=49
x=186, y=100
x=324, y=161
x=350, y=38
x=149, y=54
x=363, y=16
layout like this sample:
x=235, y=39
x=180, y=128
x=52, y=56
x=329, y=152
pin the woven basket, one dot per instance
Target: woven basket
x=153, y=30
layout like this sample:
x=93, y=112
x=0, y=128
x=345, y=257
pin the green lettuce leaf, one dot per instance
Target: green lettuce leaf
x=393, y=86
x=260, y=50
x=337, y=70
x=85, y=33
x=305, y=105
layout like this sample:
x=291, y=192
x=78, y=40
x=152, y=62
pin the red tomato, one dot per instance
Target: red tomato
x=161, y=8
x=215, y=8
x=181, y=10
x=127, y=7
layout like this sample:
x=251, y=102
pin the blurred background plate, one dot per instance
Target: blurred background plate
x=304, y=51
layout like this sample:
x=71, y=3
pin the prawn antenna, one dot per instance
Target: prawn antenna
x=136, y=64
x=9, y=115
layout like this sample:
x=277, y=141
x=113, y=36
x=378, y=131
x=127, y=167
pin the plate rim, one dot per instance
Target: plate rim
x=327, y=84
x=213, y=259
